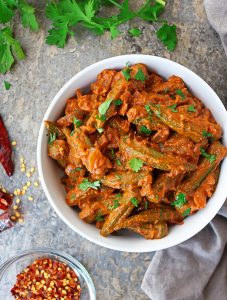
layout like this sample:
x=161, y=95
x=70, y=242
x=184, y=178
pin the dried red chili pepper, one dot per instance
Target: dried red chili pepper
x=5, y=150
x=5, y=200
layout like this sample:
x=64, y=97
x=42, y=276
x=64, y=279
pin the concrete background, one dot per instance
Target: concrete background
x=37, y=79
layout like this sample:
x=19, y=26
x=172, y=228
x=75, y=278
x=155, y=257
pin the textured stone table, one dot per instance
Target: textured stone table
x=37, y=79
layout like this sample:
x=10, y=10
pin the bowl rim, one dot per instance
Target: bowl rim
x=125, y=57
x=62, y=256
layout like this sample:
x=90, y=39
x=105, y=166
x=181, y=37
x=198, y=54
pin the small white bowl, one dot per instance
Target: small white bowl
x=50, y=174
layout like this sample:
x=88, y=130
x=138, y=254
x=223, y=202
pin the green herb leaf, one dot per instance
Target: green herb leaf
x=105, y=106
x=101, y=117
x=180, y=93
x=118, y=176
x=118, y=162
x=99, y=217
x=186, y=212
x=115, y=32
x=135, y=32
x=147, y=107
x=112, y=153
x=180, y=200
x=115, y=204
x=126, y=73
x=146, y=205
x=162, y=2
x=136, y=164
x=72, y=132
x=145, y=130
x=7, y=10
x=134, y=201
x=118, y=195
x=100, y=130
x=207, y=134
x=9, y=48
x=77, y=122
x=173, y=107
x=191, y=108
x=140, y=76
x=117, y=102
x=210, y=157
x=86, y=184
x=52, y=137
x=167, y=34
x=28, y=17
x=78, y=169
x=7, y=85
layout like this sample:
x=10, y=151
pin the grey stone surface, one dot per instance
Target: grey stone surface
x=37, y=79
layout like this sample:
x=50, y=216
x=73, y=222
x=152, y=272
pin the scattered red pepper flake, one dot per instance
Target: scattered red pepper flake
x=47, y=279
x=5, y=150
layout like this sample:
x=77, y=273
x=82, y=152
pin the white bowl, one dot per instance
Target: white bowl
x=50, y=173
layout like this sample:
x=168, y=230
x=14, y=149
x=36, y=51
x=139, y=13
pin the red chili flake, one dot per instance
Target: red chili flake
x=5, y=150
x=47, y=279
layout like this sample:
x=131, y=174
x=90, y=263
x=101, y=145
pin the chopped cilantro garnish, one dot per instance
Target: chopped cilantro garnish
x=101, y=117
x=126, y=73
x=135, y=32
x=136, y=164
x=173, y=107
x=191, y=108
x=100, y=130
x=7, y=85
x=52, y=137
x=210, y=157
x=118, y=162
x=99, y=217
x=117, y=102
x=186, y=212
x=145, y=130
x=180, y=93
x=112, y=153
x=117, y=176
x=77, y=122
x=115, y=204
x=147, y=107
x=86, y=184
x=146, y=205
x=180, y=200
x=72, y=132
x=207, y=134
x=140, y=75
x=118, y=195
x=78, y=169
x=105, y=106
x=134, y=201
x=167, y=34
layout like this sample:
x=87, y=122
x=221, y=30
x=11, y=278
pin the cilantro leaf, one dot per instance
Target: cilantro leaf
x=173, y=107
x=100, y=130
x=126, y=73
x=180, y=200
x=136, y=164
x=145, y=130
x=7, y=10
x=147, y=107
x=134, y=201
x=135, y=32
x=118, y=162
x=77, y=122
x=7, y=85
x=101, y=118
x=115, y=32
x=9, y=47
x=118, y=176
x=149, y=12
x=140, y=75
x=52, y=137
x=167, y=34
x=28, y=17
x=210, y=157
x=207, y=134
x=115, y=204
x=86, y=184
x=117, y=102
x=186, y=212
x=180, y=93
x=191, y=108
x=99, y=217
x=105, y=106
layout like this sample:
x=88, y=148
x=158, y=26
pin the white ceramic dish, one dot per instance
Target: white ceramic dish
x=50, y=173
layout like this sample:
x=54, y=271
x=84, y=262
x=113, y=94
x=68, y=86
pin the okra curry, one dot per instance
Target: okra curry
x=138, y=152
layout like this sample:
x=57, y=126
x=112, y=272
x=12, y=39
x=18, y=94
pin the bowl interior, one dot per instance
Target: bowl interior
x=17, y=264
x=50, y=173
